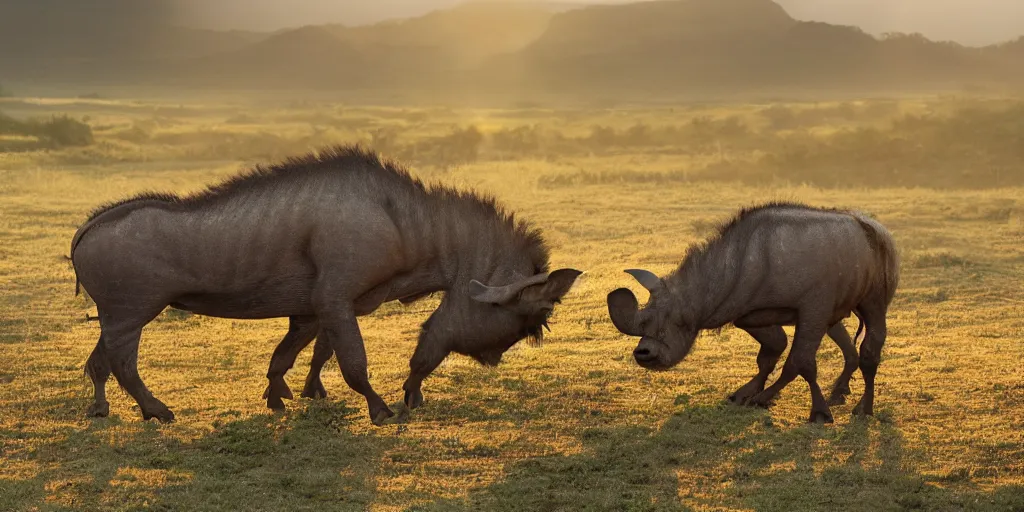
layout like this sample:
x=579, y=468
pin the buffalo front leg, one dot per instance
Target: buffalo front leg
x=314, y=387
x=340, y=330
x=773, y=343
x=301, y=331
x=428, y=355
x=841, y=388
x=801, y=362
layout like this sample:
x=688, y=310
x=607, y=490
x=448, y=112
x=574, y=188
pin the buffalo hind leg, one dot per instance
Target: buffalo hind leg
x=98, y=369
x=121, y=338
x=301, y=331
x=871, y=356
x=773, y=343
x=340, y=329
x=841, y=388
x=322, y=353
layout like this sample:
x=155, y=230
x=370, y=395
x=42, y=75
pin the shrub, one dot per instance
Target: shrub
x=11, y=126
x=518, y=142
x=137, y=134
x=58, y=131
x=973, y=147
x=460, y=146
x=62, y=131
x=780, y=117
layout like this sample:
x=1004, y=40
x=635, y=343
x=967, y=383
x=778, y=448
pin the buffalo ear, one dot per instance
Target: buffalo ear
x=624, y=309
x=559, y=283
x=540, y=299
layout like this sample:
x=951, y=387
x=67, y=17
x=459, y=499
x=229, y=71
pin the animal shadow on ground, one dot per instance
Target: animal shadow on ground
x=305, y=461
x=713, y=456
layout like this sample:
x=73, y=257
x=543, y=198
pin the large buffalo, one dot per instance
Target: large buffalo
x=322, y=240
x=773, y=265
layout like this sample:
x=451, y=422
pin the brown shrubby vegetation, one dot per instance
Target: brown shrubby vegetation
x=879, y=143
x=945, y=142
x=56, y=132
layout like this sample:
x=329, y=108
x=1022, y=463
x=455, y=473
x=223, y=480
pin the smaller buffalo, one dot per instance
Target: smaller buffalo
x=773, y=265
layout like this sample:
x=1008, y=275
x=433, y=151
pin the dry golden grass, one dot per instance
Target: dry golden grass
x=574, y=424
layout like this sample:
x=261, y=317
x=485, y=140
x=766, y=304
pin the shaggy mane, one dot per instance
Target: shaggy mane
x=341, y=158
x=352, y=159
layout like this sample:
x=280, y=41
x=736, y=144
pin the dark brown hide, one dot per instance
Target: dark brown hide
x=320, y=239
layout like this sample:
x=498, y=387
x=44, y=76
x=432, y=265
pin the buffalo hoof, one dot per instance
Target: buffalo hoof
x=821, y=417
x=834, y=400
x=763, y=400
x=744, y=395
x=162, y=415
x=275, y=403
x=315, y=390
x=838, y=396
x=413, y=399
x=283, y=391
x=381, y=416
x=275, y=393
x=862, y=410
x=98, y=410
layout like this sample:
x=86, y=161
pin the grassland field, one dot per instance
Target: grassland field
x=573, y=424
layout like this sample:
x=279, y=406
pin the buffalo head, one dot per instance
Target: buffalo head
x=488, y=320
x=665, y=338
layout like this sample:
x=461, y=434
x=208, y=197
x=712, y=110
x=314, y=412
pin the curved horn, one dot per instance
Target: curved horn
x=646, y=278
x=501, y=294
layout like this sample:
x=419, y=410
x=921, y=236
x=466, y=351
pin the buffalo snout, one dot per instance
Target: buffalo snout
x=646, y=353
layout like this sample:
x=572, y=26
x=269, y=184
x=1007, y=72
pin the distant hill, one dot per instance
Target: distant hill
x=309, y=56
x=29, y=31
x=636, y=50
x=702, y=45
x=95, y=45
x=419, y=52
x=1013, y=49
x=463, y=36
x=598, y=29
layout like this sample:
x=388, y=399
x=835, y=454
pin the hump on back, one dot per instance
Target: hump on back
x=773, y=265
x=320, y=239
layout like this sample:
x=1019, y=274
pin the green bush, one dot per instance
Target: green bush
x=56, y=132
x=63, y=131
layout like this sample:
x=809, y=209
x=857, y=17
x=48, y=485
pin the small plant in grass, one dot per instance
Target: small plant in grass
x=177, y=314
